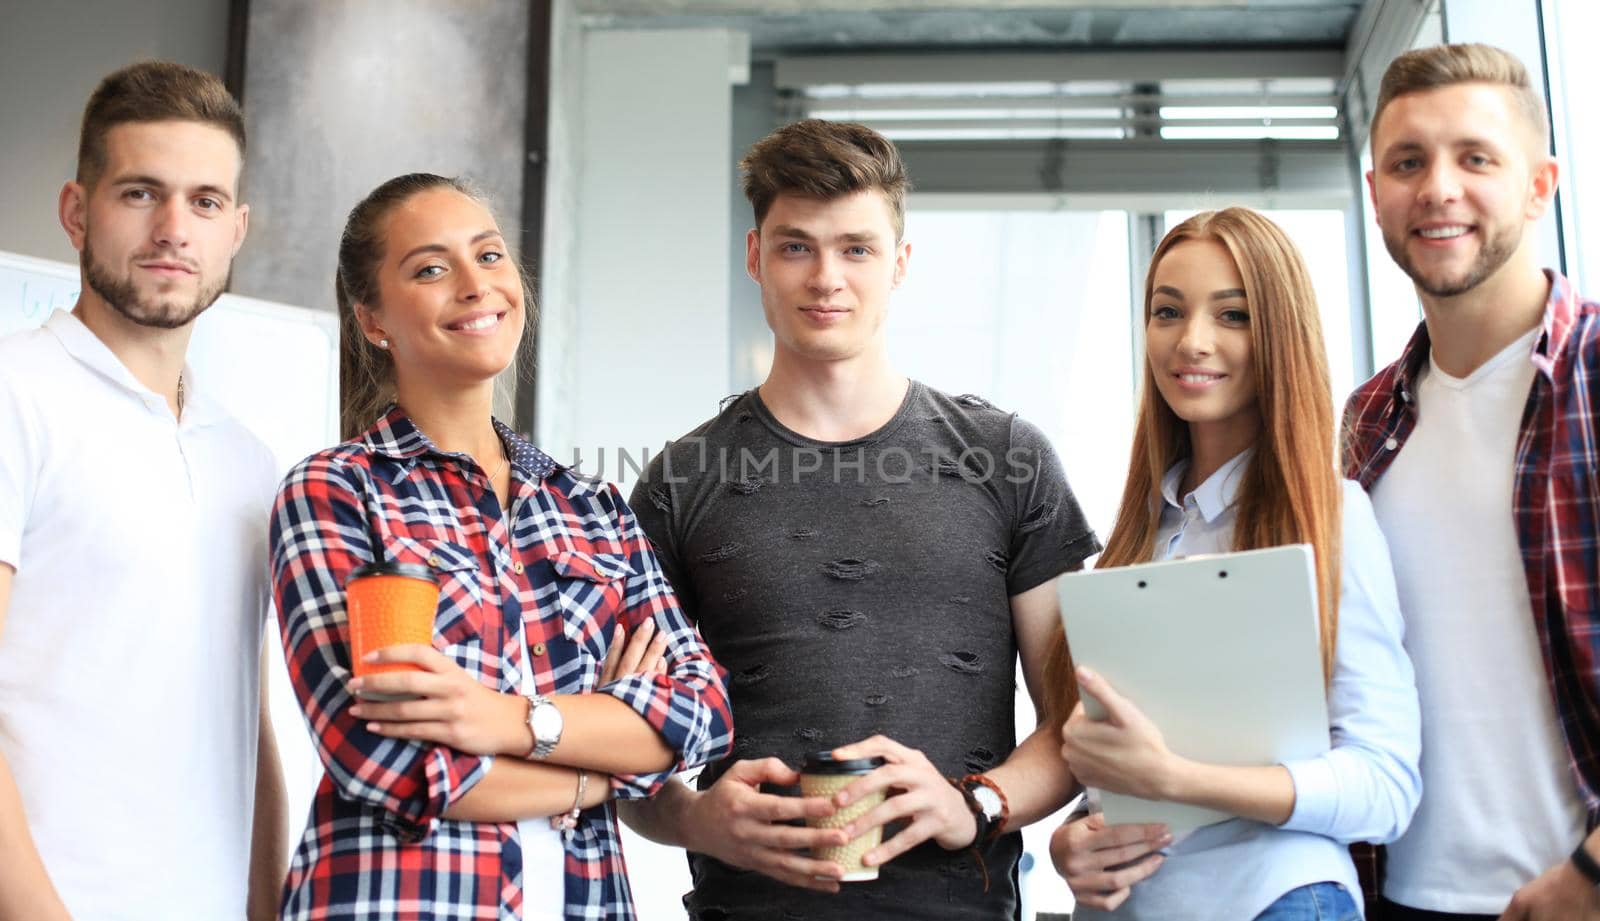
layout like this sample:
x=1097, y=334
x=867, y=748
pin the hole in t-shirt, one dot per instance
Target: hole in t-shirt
x=904, y=671
x=755, y=674
x=748, y=486
x=960, y=599
x=661, y=499
x=979, y=759
x=841, y=620
x=734, y=596
x=850, y=569
x=1038, y=517
x=999, y=559
x=875, y=501
x=808, y=734
x=803, y=534
x=875, y=700
x=721, y=554
x=967, y=663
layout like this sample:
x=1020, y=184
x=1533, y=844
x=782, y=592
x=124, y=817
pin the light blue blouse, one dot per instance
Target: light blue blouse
x=1365, y=788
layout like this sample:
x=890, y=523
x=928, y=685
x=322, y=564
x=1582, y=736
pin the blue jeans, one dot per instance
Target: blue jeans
x=1316, y=902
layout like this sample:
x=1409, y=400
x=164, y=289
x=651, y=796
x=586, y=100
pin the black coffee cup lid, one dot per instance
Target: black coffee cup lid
x=393, y=568
x=824, y=762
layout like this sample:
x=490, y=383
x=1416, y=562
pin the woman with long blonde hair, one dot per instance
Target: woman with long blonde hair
x=1233, y=450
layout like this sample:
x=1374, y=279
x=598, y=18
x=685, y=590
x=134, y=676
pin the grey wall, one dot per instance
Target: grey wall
x=52, y=53
x=342, y=96
x=559, y=386
x=755, y=115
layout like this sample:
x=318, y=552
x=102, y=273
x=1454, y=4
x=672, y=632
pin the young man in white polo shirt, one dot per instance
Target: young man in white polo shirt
x=1479, y=448
x=138, y=779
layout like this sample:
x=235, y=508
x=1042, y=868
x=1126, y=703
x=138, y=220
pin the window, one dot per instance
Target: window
x=1568, y=24
x=1032, y=310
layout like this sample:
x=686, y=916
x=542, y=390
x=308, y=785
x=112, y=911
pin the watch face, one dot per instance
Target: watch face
x=546, y=720
x=987, y=800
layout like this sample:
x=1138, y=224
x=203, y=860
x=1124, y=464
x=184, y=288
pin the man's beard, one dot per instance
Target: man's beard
x=1496, y=250
x=123, y=296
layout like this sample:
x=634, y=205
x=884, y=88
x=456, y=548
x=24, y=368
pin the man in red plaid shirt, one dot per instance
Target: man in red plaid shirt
x=1480, y=447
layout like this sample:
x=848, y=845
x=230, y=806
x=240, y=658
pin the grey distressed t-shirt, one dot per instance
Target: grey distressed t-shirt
x=859, y=588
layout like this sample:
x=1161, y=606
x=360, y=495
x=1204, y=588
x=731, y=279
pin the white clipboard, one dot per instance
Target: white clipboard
x=1220, y=652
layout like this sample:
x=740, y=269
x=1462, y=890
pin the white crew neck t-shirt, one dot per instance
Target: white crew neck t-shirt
x=1500, y=805
x=129, y=675
x=544, y=855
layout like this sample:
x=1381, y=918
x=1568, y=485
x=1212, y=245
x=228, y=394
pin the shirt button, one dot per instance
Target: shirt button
x=433, y=560
x=1391, y=444
x=517, y=567
x=537, y=649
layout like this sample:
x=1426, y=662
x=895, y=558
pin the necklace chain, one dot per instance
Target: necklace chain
x=180, y=392
x=505, y=458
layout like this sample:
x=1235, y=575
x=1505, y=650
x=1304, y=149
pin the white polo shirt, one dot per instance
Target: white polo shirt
x=128, y=656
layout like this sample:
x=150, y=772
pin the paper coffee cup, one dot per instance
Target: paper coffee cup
x=824, y=775
x=389, y=604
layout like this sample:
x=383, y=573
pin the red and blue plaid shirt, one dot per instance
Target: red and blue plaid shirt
x=1555, y=503
x=567, y=566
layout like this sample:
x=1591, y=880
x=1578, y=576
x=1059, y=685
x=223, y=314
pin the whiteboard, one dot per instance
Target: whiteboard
x=1220, y=651
x=275, y=367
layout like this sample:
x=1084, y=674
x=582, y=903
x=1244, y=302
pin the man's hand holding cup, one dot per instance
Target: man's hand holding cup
x=741, y=826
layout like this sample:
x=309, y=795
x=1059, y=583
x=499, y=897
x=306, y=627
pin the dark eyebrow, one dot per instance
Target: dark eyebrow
x=861, y=237
x=1220, y=295
x=1458, y=143
x=140, y=179
x=441, y=248
x=784, y=230
x=1402, y=147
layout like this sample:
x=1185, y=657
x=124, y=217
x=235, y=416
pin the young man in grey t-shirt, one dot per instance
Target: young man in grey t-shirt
x=867, y=557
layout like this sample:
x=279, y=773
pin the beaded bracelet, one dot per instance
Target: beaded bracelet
x=567, y=822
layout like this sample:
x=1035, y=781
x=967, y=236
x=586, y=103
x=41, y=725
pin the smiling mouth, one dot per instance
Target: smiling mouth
x=1449, y=232
x=487, y=321
x=1192, y=378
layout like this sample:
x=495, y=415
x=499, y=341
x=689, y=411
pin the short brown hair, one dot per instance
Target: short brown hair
x=1447, y=65
x=153, y=91
x=825, y=160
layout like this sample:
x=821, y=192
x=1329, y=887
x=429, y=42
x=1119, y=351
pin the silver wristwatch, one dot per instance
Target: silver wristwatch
x=545, y=722
x=989, y=802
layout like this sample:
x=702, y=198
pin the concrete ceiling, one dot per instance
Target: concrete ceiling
x=798, y=26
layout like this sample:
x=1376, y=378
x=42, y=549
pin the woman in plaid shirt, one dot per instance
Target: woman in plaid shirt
x=488, y=795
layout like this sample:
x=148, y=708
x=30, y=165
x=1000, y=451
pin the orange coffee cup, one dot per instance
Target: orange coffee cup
x=389, y=604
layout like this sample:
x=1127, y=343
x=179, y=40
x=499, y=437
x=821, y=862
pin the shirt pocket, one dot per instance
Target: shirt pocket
x=589, y=595
x=460, y=585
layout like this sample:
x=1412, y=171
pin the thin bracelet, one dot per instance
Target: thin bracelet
x=568, y=821
x=1586, y=865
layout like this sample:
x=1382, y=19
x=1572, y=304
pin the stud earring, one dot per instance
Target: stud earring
x=383, y=343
